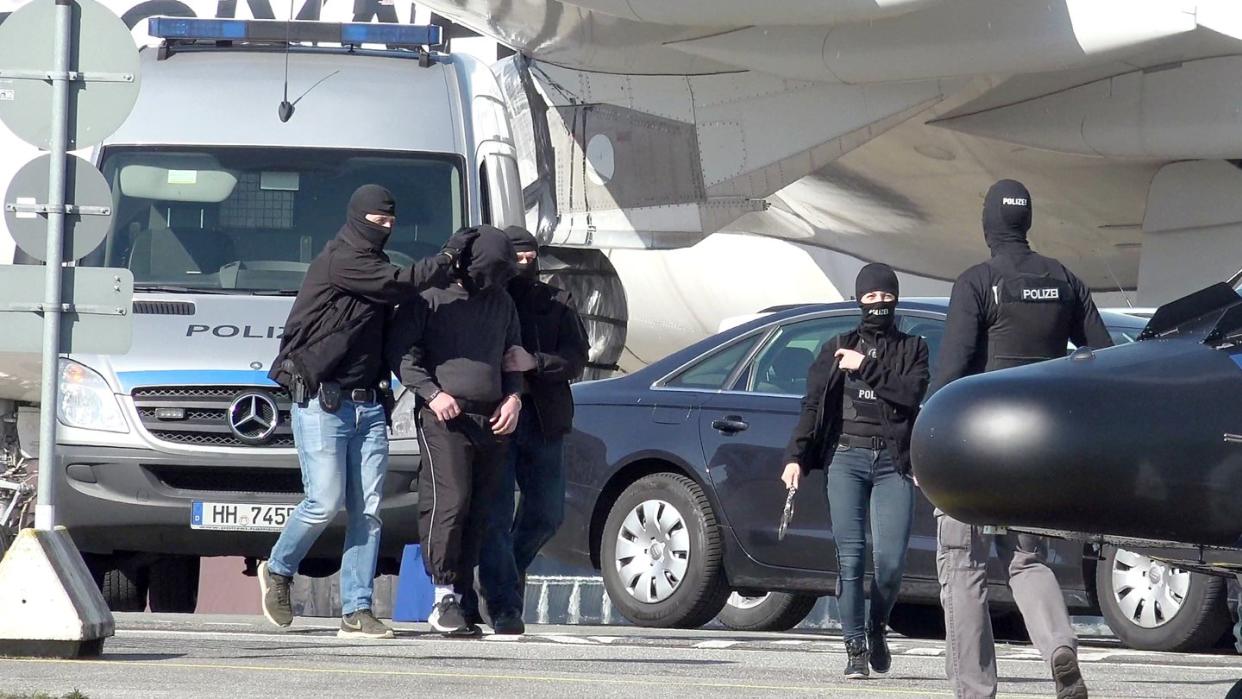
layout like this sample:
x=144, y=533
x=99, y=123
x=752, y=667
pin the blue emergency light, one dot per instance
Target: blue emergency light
x=267, y=30
x=181, y=28
x=392, y=34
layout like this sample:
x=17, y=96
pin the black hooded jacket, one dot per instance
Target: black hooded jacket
x=552, y=331
x=335, y=330
x=976, y=328
x=898, y=375
x=453, y=337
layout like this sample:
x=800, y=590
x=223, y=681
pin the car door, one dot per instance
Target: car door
x=744, y=430
x=921, y=554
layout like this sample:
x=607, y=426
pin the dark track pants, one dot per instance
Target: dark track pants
x=462, y=465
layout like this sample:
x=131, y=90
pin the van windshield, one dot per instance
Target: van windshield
x=250, y=220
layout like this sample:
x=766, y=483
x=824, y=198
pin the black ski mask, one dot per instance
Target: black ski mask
x=360, y=233
x=877, y=317
x=1007, y=217
x=523, y=241
x=490, y=261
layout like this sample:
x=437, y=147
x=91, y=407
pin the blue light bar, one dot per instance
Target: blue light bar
x=276, y=31
x=391, y=34
x=186, y=28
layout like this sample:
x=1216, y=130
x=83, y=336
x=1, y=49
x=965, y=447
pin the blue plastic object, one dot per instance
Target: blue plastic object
x=187, y=28
x=395, y=34
x=350, y=33
x=415, y=591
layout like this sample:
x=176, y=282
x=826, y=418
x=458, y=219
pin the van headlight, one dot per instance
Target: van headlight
x=405, y=417
x=86, y=401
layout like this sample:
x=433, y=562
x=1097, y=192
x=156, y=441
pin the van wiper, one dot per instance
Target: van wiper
x=271, y=292
x=174, y=289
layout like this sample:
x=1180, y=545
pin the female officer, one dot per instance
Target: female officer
x=863, y=393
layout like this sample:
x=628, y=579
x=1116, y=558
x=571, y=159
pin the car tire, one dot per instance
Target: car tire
x=670, y=573
x=1135, y=601
x=775, y=611
x=174, y=584
x=914, y=620
x=124, y=587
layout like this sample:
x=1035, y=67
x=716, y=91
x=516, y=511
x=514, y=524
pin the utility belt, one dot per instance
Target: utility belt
x=330, y=394
x=856, y=442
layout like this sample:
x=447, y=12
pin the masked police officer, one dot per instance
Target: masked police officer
x=331, y=362
x=1015, y=309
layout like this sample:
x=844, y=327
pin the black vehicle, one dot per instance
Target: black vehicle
x=674, y=493
x=1149, y=460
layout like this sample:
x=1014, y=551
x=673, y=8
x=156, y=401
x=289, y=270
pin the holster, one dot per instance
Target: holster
x=330, y=396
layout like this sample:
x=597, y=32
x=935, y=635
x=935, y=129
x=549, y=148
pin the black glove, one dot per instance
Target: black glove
x=459, y=242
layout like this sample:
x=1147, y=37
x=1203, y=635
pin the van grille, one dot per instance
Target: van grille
x=164, y=308
x=255, y=481
x=199, y=415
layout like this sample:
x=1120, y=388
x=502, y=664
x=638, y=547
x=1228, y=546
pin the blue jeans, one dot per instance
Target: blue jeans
x=344, y=457
x=862, y=481
x=511, y=543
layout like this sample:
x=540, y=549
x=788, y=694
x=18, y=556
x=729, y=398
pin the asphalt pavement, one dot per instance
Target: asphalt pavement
x=240, y=656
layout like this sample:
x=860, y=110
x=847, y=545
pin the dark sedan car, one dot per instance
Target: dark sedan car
x=673, y=490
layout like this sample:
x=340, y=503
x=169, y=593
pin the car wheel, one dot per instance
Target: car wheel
x=1152, y=605
x=914, y=620
x=124, y=587
x=917, y=620
x=662, y=555
x=174, y=584
x=775, y=611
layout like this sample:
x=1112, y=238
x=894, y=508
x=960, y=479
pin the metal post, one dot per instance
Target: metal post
x=45, y=508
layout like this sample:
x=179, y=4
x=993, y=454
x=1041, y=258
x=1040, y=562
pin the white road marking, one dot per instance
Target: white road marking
x=716, y=644
x=569, y=640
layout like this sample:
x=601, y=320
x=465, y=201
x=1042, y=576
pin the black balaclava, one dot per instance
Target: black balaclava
x=360, y=233
x=524, y=241
x=877, y=317
x=490, y=262
x=1007, y=217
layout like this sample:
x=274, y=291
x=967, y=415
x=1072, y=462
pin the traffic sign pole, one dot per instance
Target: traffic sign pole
x=49, y=603
x=45, y=507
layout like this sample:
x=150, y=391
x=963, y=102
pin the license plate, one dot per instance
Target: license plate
x=239, y=517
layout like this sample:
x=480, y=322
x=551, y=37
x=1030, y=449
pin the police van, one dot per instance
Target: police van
x=182, y=447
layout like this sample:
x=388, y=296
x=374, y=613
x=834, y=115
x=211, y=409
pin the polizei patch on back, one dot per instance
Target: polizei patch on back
x=1014, y=201
x=1052, y=294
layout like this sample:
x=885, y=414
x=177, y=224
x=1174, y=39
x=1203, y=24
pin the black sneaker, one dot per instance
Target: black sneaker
x=1067, y=675
x=509, y=623
x=448, y=619
x=856, y=663
x=363, y=624
x=877, y=646
x=275, y=588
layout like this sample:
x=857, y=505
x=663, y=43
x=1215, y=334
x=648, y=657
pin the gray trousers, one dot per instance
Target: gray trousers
x=961, y=563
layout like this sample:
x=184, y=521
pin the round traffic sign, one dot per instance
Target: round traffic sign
x=84, y=186
x=104, y=52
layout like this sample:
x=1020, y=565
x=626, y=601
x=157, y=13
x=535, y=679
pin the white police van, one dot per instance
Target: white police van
x=182, y=448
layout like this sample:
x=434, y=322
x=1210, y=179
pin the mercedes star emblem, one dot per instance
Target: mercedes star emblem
x=253, y=417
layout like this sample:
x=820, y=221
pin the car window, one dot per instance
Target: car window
x=781, y=366
x=710, y=372
x=930, y=329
